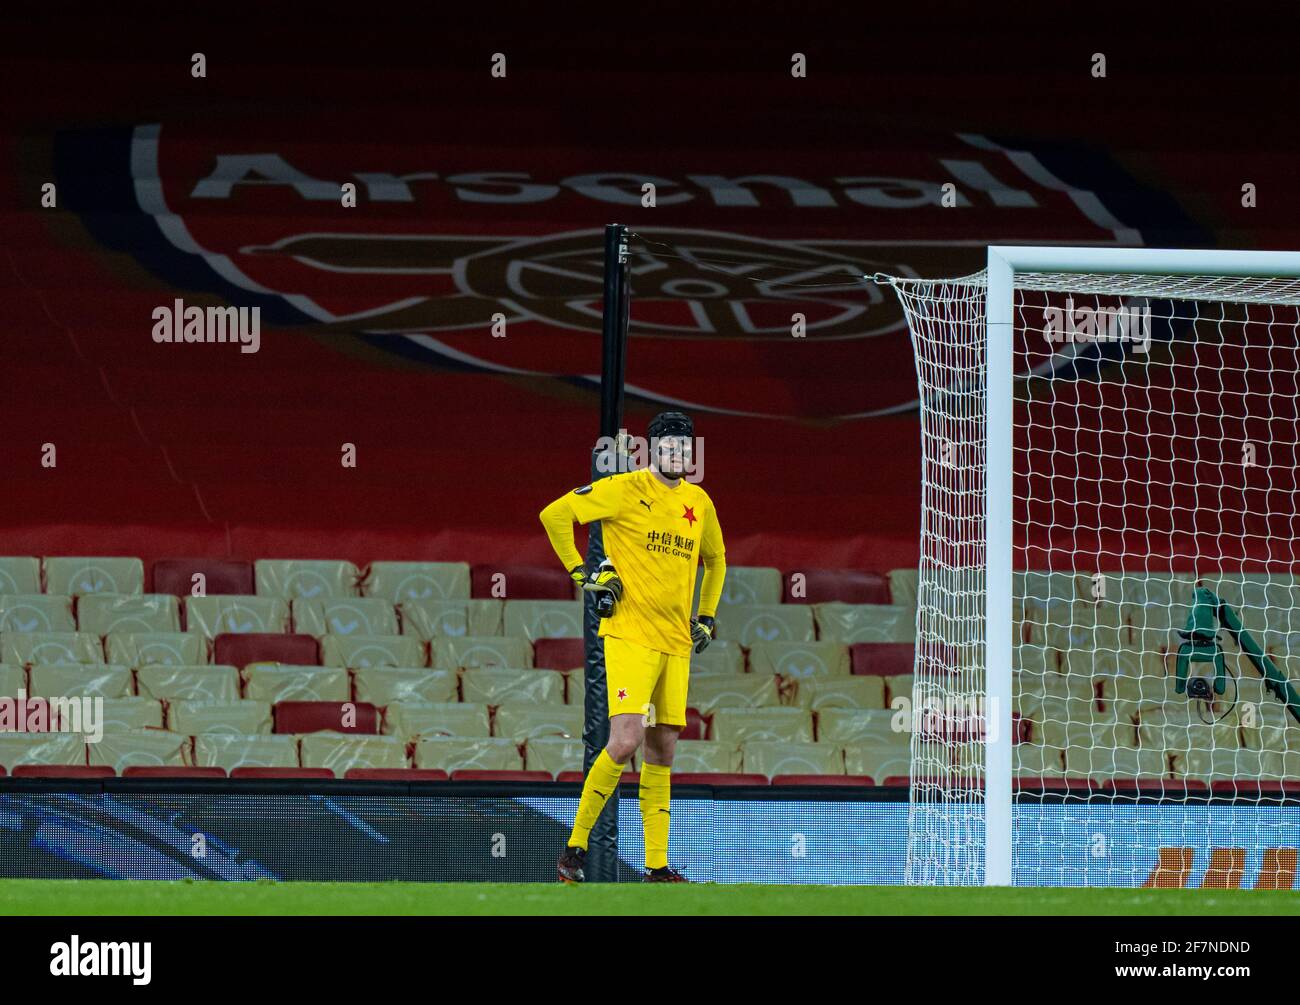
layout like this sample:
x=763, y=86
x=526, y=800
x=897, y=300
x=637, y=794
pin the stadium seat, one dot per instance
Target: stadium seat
x=1036, y=659
x=1106, y=763
x=231, y=752
x=344, y=616
x=41, y=748
x=705, y=756
x=845, y=781
x=543, y=619
x=396, y=775
x=743, y=725
x=526, y=722
x=772, y=758
x=708, y=694
x=142, y=649
x=229, y=718
x=837, y=692
x=258, y=647
x=752, y=623
x=79, y=680
x=403, y=582
x=881, y=756
x=521, y=582
x=718, y=779
x=477, y=775
x=62, y=771
x=311, y=580
x=12, y=679
x=554, y=754
x=122, y=714
x=841, y=726
x=301, y=774
x=342, y=752
x=559, y=653
x=384, y=685
x=119, y=750
x=171, y=771
x=903, y=587
x=721, y=657
x=898, y=687
x=27, y=648
x=470, y=753
x=105, y=613
x=220, y=575
x=849, y=586
x=28, y=613
x=480, y=651
x=882, y=659
x=188, y=683
x=852, y=623
x=575, y=688
x=745, y=585
x=1227, y=764
x=411, y=720
x=799, y=660
x=362, y=652
x=696, y=727
x=277, y=682
x=1036, y=759
x=20, y=575
x=314, y=716
x=78, y=576
x=497, y=686
x=432, y=619
x=236, y=615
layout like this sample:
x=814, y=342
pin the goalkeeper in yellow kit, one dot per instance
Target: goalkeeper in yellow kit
x=656, y=528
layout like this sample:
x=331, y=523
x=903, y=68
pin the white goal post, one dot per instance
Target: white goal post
x=1082, y=410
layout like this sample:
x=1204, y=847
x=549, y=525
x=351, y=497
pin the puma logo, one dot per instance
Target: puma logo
x=646, y=505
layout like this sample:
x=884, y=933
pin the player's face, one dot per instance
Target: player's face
x=673, y=456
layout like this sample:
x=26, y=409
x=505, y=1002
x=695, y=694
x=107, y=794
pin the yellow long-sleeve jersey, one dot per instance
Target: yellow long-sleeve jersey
x=655, y=536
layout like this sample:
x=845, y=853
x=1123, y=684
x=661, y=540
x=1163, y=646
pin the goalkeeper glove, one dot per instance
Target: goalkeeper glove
x=606, y=586
x=701, y=632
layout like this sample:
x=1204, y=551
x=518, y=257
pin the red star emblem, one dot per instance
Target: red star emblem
x=688, y=514
x=622, y=693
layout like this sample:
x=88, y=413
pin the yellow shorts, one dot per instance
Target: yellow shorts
x=646, y=682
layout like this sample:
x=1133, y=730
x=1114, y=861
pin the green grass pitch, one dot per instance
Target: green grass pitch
x=135, y=897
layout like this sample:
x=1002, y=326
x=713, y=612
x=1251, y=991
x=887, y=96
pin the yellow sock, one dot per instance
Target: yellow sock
x=655, y=795
x=596, y=790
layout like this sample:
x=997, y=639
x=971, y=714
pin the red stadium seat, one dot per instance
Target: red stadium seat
x=318, y=716
x=718, y=778
x=265, y=647
x=1173, y=788
x=522, y=582
x=172, y=771
x=396, y=775
x=2, y=771
x=849, y=586
x=474, y=775
x=63, y=771
x=261, y=772
x=629, y=777
x=882, y=659
x=843, y=780
x=1032, y=784
x=1246, y=788
x=695, y=726
x=221, y=575
x=558, y=654
x=897, y=782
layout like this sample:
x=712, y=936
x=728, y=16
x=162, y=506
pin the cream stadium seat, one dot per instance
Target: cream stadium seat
x=224, y=750
x=1084, y=626
x=310, y=580
x=105, y=613
x=543, y=619
x=898, y=686
x=142, y=649
x=706, y=757
x=554, y=754
x=1028, y=657
x=432, y=619
x=188, y=683
x=124, y=714
x=382, y=686
x=12, y=680
x=883, y=755
x=1071, y=734
x=1267, y=603
x=341, y=752
x=362, y=652
x=27, y=648
x=770, y=759
x=850, y=623
x=720, y=657
x=274, y=682
x=41, y=748
x=800, y=660
x=904, y=585
x=411, y=719
x=742, y=725
x=524, y=722
x=1176, y=729
x=20, y=575
x=497, y=686
x=27, y=613
x=231, y=614
x=344, y=616
x=468, y=753
x=752, y=690
x=122, y=748
x=745, y=585
x=837, y=692
x=575, y=684
x=227, y=718
x=481, y=651
x=405, y=582
x=844, y=726
x=79, y=576
x=1102, y=763
x=98, y=680
x=752, y=623
x=1037, y=760
x=1228, y=764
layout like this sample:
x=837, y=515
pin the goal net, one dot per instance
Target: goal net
x=1108, y=628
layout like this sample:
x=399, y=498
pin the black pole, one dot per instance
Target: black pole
x=602, y=848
